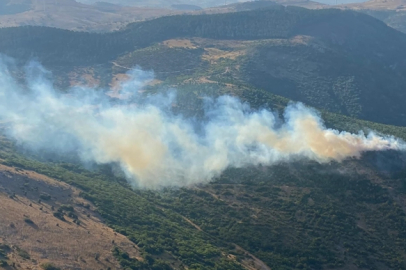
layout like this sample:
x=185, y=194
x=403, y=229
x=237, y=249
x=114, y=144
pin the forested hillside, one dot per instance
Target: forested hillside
x=276, y=22
x=339, y=50
x=393, y=18
x=290, y=216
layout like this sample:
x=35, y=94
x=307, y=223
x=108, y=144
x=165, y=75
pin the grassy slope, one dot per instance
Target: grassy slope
x=29, y=224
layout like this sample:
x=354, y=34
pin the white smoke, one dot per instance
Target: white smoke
x=156, y=148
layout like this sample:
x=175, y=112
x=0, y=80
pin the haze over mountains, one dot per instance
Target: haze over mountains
x=103, y=16
x=203, y=4
x=392, y=12
x=69, y=14
x=346, y=64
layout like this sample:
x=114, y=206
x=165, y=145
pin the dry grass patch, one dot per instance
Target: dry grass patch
x=28, y=202
x=180, y=43
x=213, y=54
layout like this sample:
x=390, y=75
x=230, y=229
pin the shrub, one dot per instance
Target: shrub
x=49, y=266
x=29, y=221
x=45, y=197
x=23, y=254
x=67, y=208
x=59, y=215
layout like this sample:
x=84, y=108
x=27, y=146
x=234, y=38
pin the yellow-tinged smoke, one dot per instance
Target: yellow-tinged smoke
x=156, y=148
x=307, y=134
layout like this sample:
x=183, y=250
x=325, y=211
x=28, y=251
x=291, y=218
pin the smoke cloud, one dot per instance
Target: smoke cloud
x=157, y=148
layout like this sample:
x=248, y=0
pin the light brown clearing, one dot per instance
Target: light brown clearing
x=49, y=239
x=120, y=78
x=213, y=54
x=179, y=43
x=83, y=77
x=191, y=223
x=117, y=81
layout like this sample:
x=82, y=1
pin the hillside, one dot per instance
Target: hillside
x=259, y=4
x=398, y=5
x=393, y=18
x=392, y=12
x=331, y=59
x=348, y=215
x=32, y=234
x=171, y=3
x=295, y=213
x=300, y=68
x=69, y=14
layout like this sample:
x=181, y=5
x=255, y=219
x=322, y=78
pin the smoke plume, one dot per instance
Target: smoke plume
x=157, y=148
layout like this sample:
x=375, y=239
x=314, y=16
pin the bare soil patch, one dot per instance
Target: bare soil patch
x=28, y=202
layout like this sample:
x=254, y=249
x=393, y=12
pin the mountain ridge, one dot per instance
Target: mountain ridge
x=336, y=44
x=70, y=14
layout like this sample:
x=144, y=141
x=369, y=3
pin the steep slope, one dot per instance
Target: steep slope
x=393, y=18
x=392, y=12
x=346, y=64
x=348, y=215
x=45, y=221
x=301, y=68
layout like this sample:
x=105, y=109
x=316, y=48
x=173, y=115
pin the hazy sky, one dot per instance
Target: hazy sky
x=202, y=3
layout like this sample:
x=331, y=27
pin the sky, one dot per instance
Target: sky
x=202, y=3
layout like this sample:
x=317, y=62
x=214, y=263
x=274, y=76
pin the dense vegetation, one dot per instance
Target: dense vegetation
x=327, y=78
x=164, y=61
x=158, y=232
x=302, y=215
x=291, y=216
x=331, y=59
x=393, y=18
x=63, y=47
x=314, y=221
x=303, y=69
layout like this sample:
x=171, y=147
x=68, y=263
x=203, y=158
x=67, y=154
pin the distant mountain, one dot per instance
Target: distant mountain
x=185, y=7
x=399, y=5
x=163, y=3
x=102, y=16
x=69, y=14
x=251, y=5
x=393, y=18
x=203, y=4
x=342, y=61
x=392, y=12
